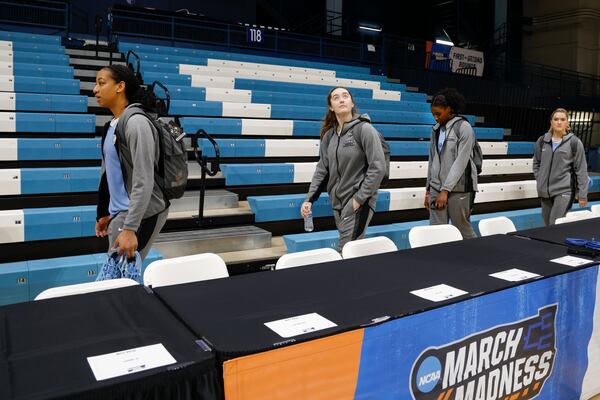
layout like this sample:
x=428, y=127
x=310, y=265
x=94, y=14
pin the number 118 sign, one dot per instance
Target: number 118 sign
x=254, y=35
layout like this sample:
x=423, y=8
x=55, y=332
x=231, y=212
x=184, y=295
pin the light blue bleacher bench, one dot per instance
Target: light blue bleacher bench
x=46, y=103
x=50, y=122
x=59, y=180
x=167, y=53
x=42, y=71
x=37, y=149
x=523, y=219
x=34, y=84
x=24, y=280
x=29, y=38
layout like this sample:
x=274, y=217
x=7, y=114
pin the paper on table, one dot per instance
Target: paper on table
x=439, y=292
x=129, y=361
x=572, y=261
x=299, y=325
x=514, y=275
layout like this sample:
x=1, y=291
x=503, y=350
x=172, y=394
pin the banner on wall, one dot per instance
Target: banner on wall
x=466, y=61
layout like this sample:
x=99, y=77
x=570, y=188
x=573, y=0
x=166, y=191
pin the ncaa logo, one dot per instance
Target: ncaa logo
x=429, y=374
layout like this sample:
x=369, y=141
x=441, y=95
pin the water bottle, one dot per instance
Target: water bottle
x=308, y=223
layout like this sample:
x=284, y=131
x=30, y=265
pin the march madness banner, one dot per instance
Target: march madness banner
x=539, y=340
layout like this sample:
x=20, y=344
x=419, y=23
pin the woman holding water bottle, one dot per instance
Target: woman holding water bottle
x=351, y=164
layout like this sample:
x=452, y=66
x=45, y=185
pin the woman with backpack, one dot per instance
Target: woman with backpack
x=131, y=206
x=451, y=172
x=352, y=164
x=559, y=168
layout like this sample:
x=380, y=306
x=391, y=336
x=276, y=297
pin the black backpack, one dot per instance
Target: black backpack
x=172, y=174
x=386, y=152
x=477, y=154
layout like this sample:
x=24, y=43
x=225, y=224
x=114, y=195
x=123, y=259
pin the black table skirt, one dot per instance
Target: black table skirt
x=44, y=347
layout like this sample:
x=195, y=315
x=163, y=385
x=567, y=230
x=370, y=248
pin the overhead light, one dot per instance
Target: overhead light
x=369, y=28
x=444, y=42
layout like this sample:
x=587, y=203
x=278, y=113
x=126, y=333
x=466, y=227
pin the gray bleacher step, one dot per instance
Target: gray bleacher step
x=213, y=199
x=92, y=53
x=242, y=211
x=87, y=73
x=219, y=240
x=195, y=172
x=90, y=62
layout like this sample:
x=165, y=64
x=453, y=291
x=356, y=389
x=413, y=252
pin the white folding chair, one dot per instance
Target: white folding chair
x=579, y=215
x=562, y=220
x=173, y=271
x=307, y=257
x=87, y=287
x=433, y=234
x=596, y=210
x=365, y=247
x=496, y=225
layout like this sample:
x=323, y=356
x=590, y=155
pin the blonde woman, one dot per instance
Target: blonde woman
x=560, y=168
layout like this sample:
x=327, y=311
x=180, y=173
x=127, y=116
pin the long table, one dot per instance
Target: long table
x=389, y=343
x=44, y=347
x=587, y=229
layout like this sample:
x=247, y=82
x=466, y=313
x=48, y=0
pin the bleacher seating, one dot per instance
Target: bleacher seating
x=260, y=109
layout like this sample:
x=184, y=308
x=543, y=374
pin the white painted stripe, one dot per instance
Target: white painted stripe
x=412, y=198
x=8, y=101
x=6, y=56
x=10, y=182
x=213, y=81
x=6, y=68
x=267, y=127
x=204, y=71
x=292, y=147
x=7, y=83
x=269, y=67
x=406, y=198
x=387, y=95
x=230, y=95
x=246, y=110
x=12, y=226
x=489, y=148
x=500, y=191
x=8, y=122
x=5, y=45
x=510, y=166
x=9, y=149
x=591, y=384
x=303, y=172
x=408, y=170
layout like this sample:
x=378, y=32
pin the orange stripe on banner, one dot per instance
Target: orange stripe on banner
x=448, y=393
x=514, y=396
x=536, y=386
x=325, y=368
x=525, y=392
x=441, y=396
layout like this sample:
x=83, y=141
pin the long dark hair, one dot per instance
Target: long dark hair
x=449, y=97
x=134, y=92
x=330, y=120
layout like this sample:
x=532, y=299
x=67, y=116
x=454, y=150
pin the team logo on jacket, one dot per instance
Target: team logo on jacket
x=496, y=364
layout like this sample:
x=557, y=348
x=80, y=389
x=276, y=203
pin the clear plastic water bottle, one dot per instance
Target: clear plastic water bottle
x=308, y=223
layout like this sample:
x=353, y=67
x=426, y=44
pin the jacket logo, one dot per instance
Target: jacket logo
x=504, y=361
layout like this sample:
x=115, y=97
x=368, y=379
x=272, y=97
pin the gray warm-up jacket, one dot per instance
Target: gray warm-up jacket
x=136, y=145
x=449, y=170
x=351, y=164
x=552, y=170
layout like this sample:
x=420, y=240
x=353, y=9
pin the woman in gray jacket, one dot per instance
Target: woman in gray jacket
x=451, y=173
x=351, y=163
x=559, y=168
x=131, y=207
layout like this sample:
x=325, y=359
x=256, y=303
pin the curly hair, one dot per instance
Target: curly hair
x=449, y=97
